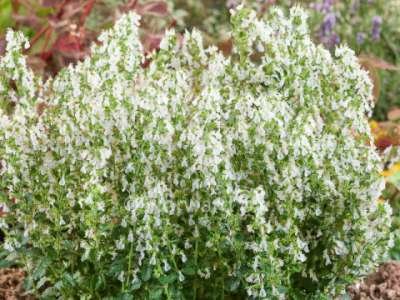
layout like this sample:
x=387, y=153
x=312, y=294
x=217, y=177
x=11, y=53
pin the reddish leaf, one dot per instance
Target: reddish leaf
x=383, y=143
x=158, y=8
x=68, y=43
x=376, y=62
x=37, y=63
x=40, y=108
x=2, y=45
x=152, y=42
x=373, y=75
x=226, y=47
x=29, y=21
x=46, y=55
x=87, y=10
x=2, y=212
x=146, y=63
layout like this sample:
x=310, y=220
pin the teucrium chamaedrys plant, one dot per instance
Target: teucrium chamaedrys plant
x=199, y=177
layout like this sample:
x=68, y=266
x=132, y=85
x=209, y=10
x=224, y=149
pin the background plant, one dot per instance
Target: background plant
x=61, y=32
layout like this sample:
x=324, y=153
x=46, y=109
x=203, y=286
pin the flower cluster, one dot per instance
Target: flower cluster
x=200, y=176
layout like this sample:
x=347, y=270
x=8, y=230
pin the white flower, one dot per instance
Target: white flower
x=167, y=267
x=195, y=158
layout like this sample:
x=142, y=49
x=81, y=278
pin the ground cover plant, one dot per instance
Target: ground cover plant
x=201, y=176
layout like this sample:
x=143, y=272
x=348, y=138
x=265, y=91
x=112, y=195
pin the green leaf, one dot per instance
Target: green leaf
x=124, y=296
x=155, y=294
x=69, y=279
x=100, y=282
x=136, y=285
x=40, y=270
x=394, y=179
x=117, y=267
x=5, y=15
x=167, y=279
x=147, y=274
x=41, y=282
x=28, y=283
x=232, y=284
x=189, y=270
x=6, y=263
x=44, y=11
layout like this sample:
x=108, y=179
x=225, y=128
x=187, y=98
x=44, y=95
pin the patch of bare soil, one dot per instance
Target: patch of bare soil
x=384, y=284
x=11, y=282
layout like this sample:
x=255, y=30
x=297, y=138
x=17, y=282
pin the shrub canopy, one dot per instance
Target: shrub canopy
x=200, y=176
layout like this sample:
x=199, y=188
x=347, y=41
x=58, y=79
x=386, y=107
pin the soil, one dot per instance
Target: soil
x=384, y=284
x=11, y=281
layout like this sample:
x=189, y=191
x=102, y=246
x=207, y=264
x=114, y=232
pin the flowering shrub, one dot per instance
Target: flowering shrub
x=198, y=177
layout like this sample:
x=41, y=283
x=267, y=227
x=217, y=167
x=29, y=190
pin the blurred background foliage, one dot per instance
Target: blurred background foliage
x=5, y=15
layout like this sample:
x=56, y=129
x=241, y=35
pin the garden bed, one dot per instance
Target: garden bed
x=11, y=284
x=383, y=284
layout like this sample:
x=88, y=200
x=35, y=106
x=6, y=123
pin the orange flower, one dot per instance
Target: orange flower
x=392, y=170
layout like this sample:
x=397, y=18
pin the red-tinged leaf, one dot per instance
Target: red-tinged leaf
x=373, y=75
x=37, y=63
x=376, y=62
x=152, y=42
x=130, y=5
x=87, y=10
x=46, y=55
x=146, y=63
x=158, y=8
x=29, y=21
x=40, y=108
x=15, y=5
x=2, y=212
x=49, y=3
x=226, y=47
x=68, y=43
x=2, y=45
x=383, y=143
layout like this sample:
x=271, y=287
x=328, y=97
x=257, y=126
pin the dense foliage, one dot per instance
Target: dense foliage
x=201, y=176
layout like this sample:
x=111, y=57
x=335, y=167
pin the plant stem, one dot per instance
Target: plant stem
x=196, y=248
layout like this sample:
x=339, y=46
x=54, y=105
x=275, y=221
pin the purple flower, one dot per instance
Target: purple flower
x=325, y=6
x=376, y=28
x=331, y=40
x=360, y=38
x=328, y=24
x=327, y=35
x=335, y=39
x=232, y=3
